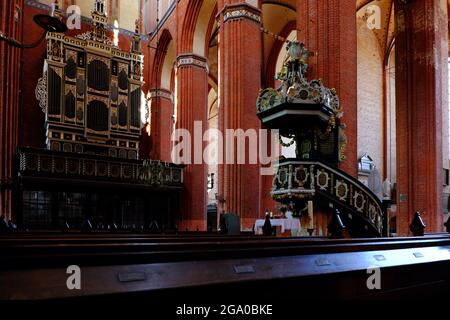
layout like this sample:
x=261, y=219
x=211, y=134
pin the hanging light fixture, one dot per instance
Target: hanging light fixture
x=50, y=23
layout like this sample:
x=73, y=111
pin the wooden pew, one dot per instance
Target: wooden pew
x=85, y=251
x=220, y=267
x=310, y=268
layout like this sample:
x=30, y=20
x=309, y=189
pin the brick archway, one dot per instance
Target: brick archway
x=189, y=24
x=160, y=58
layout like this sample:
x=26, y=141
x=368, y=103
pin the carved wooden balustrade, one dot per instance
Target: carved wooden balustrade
x=35, y=163
x=297, y=180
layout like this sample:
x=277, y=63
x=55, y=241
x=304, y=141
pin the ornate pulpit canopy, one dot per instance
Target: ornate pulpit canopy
x=297, y=100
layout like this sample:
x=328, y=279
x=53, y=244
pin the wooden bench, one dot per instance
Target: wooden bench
x=220, y=267
x=26, y=253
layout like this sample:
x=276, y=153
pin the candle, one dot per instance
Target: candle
x=310, y=215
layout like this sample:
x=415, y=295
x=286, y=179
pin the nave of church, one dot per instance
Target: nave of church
x=209, y=150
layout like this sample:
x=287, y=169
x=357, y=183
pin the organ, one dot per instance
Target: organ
x=90, y=92
x=90, y=170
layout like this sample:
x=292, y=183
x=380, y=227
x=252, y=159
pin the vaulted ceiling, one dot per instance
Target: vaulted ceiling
x=384, y=34
x=277, y=13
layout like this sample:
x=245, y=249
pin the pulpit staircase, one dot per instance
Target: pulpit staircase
x=361, y=210
x=308, y=114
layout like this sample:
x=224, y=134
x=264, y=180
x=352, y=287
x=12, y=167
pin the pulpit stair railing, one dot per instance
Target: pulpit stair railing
x=297, y=180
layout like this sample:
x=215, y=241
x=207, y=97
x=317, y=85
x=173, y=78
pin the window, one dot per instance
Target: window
x=116, y=33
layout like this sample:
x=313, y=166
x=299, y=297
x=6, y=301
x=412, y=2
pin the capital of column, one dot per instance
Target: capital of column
x=192, y=59
x=161, y=93
x=239, y=11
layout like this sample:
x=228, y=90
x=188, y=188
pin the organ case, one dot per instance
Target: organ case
x=90, y=93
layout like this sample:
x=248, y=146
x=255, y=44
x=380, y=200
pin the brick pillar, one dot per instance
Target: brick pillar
x=11, y=26
x=192, y=102
x=328, y=28
x=421, y=47
x=239, y=81
x=161, y=109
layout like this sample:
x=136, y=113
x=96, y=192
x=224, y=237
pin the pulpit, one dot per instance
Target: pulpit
x=308, y=116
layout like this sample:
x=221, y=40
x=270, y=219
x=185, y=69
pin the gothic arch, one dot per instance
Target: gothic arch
x=164, y=60
x=188, y=26
x=196, y=26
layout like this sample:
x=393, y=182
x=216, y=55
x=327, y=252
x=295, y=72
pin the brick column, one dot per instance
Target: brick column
x=192, y=102
x=161, y=109
x=328, y=28
x=239, y=81
x=11, y=26
x=421, y=47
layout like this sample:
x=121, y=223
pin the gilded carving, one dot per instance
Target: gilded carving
x=41, y=92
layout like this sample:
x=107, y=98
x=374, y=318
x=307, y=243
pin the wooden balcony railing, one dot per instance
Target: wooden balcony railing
x=63, y=165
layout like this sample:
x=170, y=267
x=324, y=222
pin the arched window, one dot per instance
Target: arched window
x=116, y=33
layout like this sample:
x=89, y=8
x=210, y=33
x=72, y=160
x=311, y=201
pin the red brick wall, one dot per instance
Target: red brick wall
x=161, y=128
x=240, y=80
x=328, y=28
x=421, y=92
x=11, y=17
x=192, y=96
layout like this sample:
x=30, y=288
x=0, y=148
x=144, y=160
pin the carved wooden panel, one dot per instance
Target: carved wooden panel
x=54, y=96
x=98, y=75
x=123, y=114
x=97, y=116
x=70, y=105
x=123, y=80
x=135, y=103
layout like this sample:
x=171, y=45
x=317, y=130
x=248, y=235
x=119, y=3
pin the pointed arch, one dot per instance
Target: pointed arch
x=163, y=61
x=197, y=26
x=211, y=30
x=189, y=24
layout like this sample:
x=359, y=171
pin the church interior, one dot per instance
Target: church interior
x=208, y=149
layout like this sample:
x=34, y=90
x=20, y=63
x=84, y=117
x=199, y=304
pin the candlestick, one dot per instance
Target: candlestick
x=310, y=215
